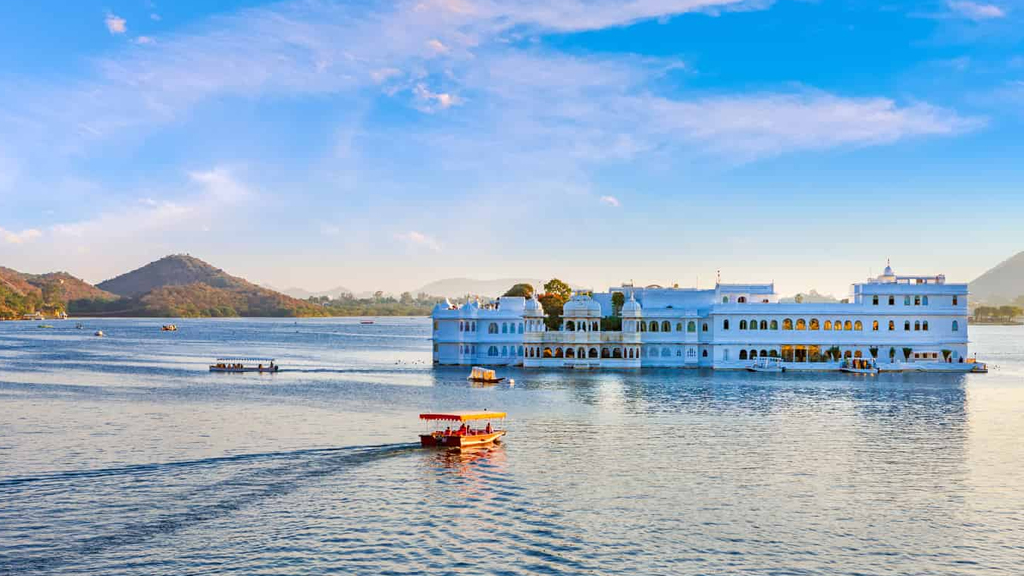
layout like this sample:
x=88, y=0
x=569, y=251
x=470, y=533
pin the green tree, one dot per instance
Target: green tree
x=907, y=352
x=874, y=351
x=523, y=289
x=618, y=300
x=552, y=304
x=556, y=286
x=405, y=298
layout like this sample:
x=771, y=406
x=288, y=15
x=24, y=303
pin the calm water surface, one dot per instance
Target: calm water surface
x=123, y=455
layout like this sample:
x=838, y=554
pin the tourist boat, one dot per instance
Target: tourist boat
x=766, y=364
x=99, y=333
x=465, y=436
x=366, y=322
x=483, y=375
x=244, y=365
x=169, y=327
x=979, y=368
x=859, y=366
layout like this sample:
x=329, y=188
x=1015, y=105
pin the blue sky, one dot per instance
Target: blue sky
x=385, y=145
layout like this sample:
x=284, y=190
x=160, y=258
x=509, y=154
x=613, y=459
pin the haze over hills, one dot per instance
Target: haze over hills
x=303, y=294
x=1002, y=284
x=455, y=287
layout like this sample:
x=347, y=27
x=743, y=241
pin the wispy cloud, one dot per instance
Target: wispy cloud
x=415, y=239
x=975, y=10
x=432, y=101
x=22, y=237
x=154, y=17
x=115, y=24
x=610, y=201
x=144, y=40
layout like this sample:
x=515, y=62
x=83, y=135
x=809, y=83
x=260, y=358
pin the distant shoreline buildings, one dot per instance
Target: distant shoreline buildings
x=898, y=320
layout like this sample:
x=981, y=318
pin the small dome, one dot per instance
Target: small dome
x=533, y=307
x=581, y=305
x=631, y=309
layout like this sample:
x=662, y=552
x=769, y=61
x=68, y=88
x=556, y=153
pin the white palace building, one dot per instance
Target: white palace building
x=902, y=321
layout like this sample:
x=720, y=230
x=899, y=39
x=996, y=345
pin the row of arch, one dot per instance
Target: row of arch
x=609, y=353
x=506, y=351
x=835, y=326
x=917, y=300
x=582, y=326
x=666, y=326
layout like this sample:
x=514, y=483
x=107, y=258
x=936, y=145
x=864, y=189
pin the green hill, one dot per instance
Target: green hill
x=183, y=286
x=22, y=293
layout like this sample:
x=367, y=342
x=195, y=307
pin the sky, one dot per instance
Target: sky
x=384, y=145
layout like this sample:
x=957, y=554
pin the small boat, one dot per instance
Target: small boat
x=979, y=368
x=366, y=322
x=169, y=327
x=859, y=366
x=465, y=436
x=483, y=375
x=79, y=326
x=767, y=364
x=99, y=333
x=244, y=365
x=46, y=325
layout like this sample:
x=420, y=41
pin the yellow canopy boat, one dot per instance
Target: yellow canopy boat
x=465, y=435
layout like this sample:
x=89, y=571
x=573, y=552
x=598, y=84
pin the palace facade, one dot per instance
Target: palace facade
x=896, y=319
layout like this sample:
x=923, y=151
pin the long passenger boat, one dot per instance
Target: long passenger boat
x=465, y=436
x=244, y=365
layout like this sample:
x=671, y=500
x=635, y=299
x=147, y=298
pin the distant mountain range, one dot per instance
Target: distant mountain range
x=455, y=287
x=302, y=294
x=1002, y=284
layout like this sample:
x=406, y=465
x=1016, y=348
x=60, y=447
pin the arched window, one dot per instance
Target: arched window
x=725, y=324
x=828, y=324
x=520, y=351
x=643, y=326
x=679, y=326
x=874, y=300
x=917, y=300
x=743, y=354
x=725, y=299
x=593, y=353
x=743, y=324
x=858, y=354
x=764, y=324
x=924, y=325
x=742, y=299
x=520, y=327
x=691, y=326
x=775, y=324
x=753, y=324
x=787, y=324
x=665, y=353
x=801, y=324
x=753, y=354
x=666, y=326
x=847, y=325
x=504, y=350
x=906, y=300
x=472, y=327
x=956, y=326
x=462, y=326
x=874, y=326
x=679, y=351
x=764, y=353
x=906, y=326
x=704, y=327
x=924, y=300
x=814, y=325
x=581, y=353
x=492, y=351
x=917, y=326
x=558, y=353
x=892, y=300
x=570, y=326
x=858, y=326
x=617, y=353
x=847, y=354
x=892, y=325
x=504, y=328
x=955, y=300
x=570, y=352
x=704, y=354
x=837, y=325
x=492, y=328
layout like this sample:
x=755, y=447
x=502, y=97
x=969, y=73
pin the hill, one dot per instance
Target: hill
x=1002, y=284
x=181, y=285
x=22, y=293
x=455, y=287
x=302, y=294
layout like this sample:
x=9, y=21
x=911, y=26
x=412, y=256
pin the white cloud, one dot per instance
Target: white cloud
x=436, y=46
x=975, y=10
x=26, y=235
x=416, y=239
x=115, y=24
x=144, y=40
x=154, y=17
x=610, y=201
x=432, y=101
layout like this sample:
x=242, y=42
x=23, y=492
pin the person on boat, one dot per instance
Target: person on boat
x=448, y=431
x=488, y=429
x=462, y=430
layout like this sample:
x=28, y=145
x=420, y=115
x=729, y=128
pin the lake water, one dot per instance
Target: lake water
x=124, y=455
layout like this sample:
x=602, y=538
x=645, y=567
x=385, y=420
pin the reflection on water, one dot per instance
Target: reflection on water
x=125, y=455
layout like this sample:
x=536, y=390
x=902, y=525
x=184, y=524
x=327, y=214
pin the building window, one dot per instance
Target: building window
x=504, y=328
x=954, y=301
x=593, y=353
x=848, y=325
x=472, y=327
x=753, y=324
x=775, y=324
x=704, y=354
x=679, y=326
x=492, y=351
x=892, y=300
x=492, y=328
x=837, y=325
x=691, y=326
x=743, y=324
x=725, y=324
x=787, y=324
x=892, y=325
x=858, y=326
x=906, y=300
x=666, y=326
x=828, y=324
x=801, y=324
x=874, y=300
x=435, y=325
x=874, y=326
x=743, y=354
x=665, y=353
x=504, y=350
x=520, y=350
x=924, y=300
x=764, y=324
x=814, y=324
x=924, y=326
x=956, y=325
x=917, y=326
x=906, y=326
x=653, y=326
x=917, y=300
x=742, y=299
x=725, y=299
x=520, y=327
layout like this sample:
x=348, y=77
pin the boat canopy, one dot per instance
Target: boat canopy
x=463, y=416
x=267, y=360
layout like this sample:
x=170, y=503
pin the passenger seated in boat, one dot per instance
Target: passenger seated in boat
x=488, y=429
x=448, y=431
x=462, y=430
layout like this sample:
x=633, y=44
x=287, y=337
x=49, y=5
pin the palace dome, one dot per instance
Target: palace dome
x=581, y=305
x=533, y=307
x=631, y=309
